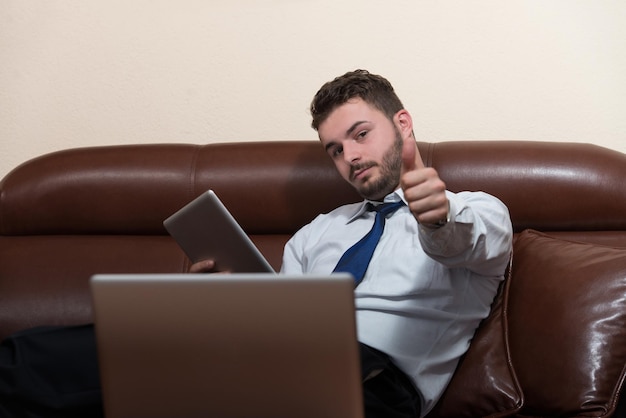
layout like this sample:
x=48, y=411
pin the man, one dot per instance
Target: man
x=437, y=266
x=430, y=280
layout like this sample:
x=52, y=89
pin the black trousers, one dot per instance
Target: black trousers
x=52, y=372
x=387, y=391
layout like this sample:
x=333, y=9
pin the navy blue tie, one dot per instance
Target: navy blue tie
x=356, y=258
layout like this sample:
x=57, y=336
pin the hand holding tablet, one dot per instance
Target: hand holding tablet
x=205, y=230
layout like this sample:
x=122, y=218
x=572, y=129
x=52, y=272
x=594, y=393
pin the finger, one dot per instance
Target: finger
x=432, y=212
x=408, y=155
x=204, y=266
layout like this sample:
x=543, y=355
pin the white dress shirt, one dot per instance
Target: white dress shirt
x=425, y=290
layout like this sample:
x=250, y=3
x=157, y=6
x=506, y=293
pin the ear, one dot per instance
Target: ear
x=411, y=157
x=403, y=121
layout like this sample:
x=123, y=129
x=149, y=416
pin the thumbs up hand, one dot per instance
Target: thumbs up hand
x=423, y=190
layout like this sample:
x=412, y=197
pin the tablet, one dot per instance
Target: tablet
x=205, y=229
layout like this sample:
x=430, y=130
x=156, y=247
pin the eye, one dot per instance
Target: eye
x=361, y=134
x=334, y=150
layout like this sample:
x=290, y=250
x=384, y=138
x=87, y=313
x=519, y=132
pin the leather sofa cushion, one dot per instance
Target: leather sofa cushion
x=485, y=384
x=567, y=325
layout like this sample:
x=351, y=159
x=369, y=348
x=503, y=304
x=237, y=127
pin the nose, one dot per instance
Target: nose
x=351, y=152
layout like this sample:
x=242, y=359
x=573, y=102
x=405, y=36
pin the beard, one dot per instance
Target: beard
x=390, y=168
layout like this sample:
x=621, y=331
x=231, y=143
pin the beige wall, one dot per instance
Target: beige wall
x=91, y=72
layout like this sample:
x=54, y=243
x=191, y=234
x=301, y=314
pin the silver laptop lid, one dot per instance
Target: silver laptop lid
x=247, y=345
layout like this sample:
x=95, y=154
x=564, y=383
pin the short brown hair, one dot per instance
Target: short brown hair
x=373, y=89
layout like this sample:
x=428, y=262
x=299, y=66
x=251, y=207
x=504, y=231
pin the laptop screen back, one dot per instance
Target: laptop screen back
x=246, y=345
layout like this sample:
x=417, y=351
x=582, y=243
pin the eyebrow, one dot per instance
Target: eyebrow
x=354, y=126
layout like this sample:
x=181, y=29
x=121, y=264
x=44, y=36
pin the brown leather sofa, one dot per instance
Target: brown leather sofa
x=554, y=344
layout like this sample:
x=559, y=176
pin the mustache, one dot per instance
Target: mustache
x=360, y=166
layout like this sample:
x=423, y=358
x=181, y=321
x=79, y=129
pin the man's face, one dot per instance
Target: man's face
x=365, y=146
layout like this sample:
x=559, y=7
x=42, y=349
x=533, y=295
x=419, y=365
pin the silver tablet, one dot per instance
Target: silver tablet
x=205, y=229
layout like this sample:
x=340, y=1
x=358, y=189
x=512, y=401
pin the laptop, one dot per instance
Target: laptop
x=205, y=229
x=227, y=346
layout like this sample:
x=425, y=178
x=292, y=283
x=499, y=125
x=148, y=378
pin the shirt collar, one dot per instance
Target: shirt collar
x=396, y=196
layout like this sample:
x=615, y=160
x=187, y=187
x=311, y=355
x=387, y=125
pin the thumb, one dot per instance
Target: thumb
x=409, y=155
